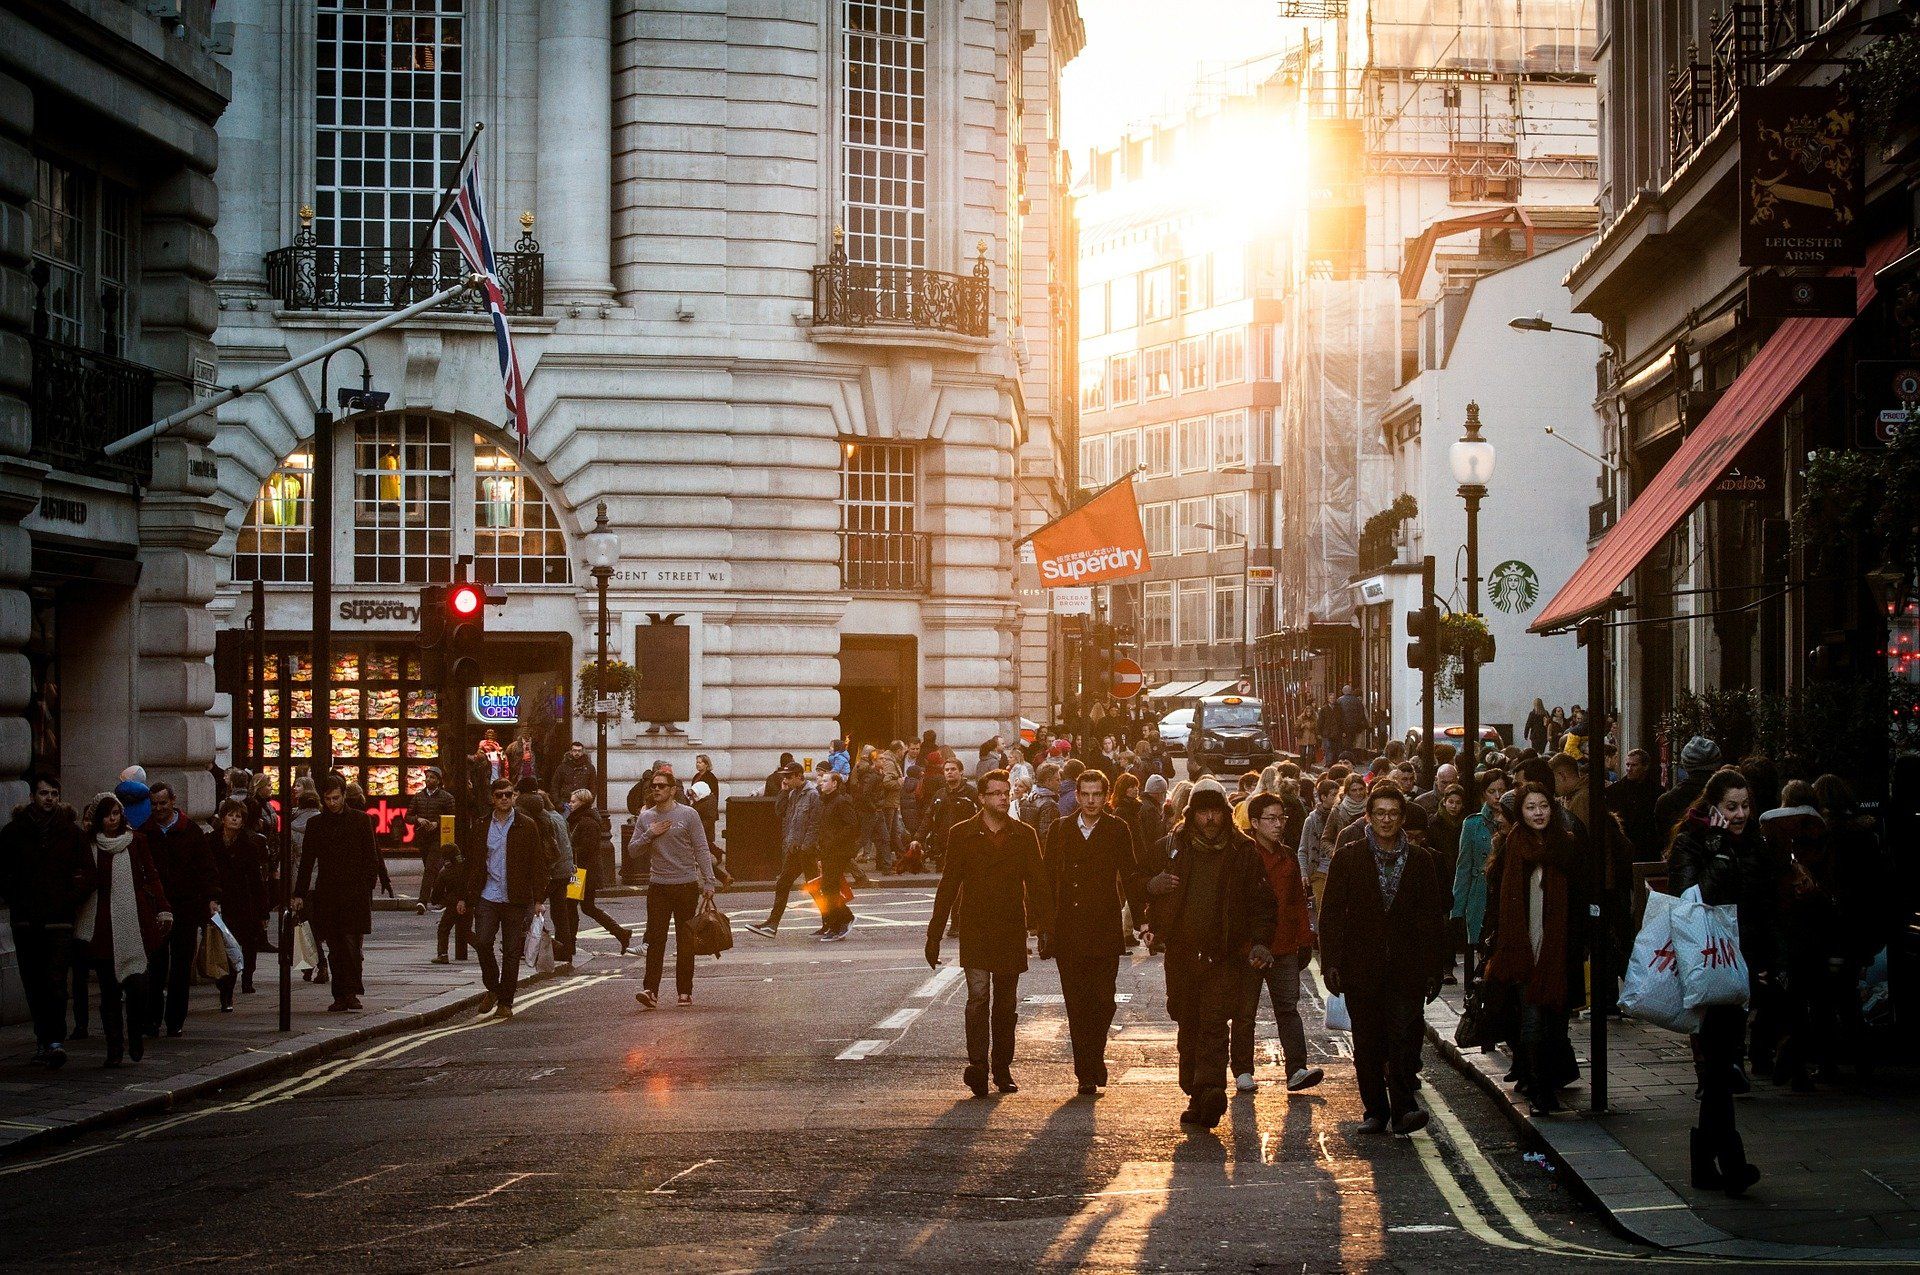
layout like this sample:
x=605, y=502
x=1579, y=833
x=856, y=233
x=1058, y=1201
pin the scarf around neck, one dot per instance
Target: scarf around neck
x=1542, y=980
x=129, y=943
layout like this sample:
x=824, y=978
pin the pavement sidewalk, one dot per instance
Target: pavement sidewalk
x=1841, y=1166
x=404, y=990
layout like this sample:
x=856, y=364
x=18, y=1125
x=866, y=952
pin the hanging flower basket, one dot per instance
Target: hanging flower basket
x=1459, y=633
x=617, y=683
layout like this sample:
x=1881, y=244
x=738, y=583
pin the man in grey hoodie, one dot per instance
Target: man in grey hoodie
x=681, y=876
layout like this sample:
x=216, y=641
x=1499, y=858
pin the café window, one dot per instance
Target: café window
x=424, y=490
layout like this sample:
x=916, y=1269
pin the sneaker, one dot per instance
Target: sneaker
x=1245, y=1082
x=834, y=936
x=440, y=960
x=685, y=999
x=1305, y=1078
x=648, y=1000
x=1409, y=1122
x=763, y=930
x=487, y=1003
x=419, y=909
x=55, y=1057
x=505, y=1011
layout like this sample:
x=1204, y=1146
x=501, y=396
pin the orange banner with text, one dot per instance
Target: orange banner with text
x=1101, y=540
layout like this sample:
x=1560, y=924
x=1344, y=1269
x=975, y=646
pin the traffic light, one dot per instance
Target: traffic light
x=1423, y=632
x=465, y=620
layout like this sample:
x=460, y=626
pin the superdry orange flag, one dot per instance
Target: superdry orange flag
x=1101, y=540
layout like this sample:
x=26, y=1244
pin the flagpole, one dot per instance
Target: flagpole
x=1124, y=478
x=446, y=201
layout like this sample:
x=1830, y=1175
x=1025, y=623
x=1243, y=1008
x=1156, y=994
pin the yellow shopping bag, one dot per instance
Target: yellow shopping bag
x=577, y=888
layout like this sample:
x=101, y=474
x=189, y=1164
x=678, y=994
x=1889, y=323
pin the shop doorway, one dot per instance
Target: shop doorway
x=879, y=689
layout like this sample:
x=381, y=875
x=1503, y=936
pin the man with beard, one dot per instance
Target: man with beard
x=1216, y=912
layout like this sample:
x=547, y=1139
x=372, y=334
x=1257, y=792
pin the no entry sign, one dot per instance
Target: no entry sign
x=1127, y=679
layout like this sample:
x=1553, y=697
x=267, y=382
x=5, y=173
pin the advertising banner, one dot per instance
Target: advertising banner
x=1101, y=540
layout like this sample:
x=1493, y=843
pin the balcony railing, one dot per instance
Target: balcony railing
x=312, y=276
x=846, y=295
x=883, y=561
x=81, y=402
x=1700, y=95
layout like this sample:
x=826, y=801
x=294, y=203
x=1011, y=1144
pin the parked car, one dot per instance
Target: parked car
x=1230, y=735
x=1456, y=734
x=1175, y=727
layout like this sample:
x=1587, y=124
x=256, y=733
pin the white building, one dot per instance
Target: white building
x=781, y=298
x=1533, y=522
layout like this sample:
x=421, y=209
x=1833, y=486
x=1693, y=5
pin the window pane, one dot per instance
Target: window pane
x=402, y=499
x=272, y=544
x=883, y=109
x=517, y=537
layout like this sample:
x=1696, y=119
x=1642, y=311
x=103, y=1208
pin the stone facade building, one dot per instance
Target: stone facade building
x=782, y=289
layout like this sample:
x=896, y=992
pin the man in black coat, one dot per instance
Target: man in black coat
x=1634, y=797
x=573, y=771
x=993, y=861
x=839, y=843
x=183, y=855
x=1383, y=946
x=1093, y=870
x=1215, y=910
x=507, y=875
x=46, y=873
x=953, y=804
x=339, y=867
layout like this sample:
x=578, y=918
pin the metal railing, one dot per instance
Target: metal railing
x=82, y=401
x=847, y=295
x=1701, y=94
x=884, y=561
x=311, y=276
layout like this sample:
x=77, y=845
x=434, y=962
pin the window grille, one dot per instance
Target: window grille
x=273, y=542
x=884, y=117
x=402, y=499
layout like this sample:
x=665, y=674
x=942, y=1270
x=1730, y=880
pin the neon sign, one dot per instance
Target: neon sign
x=498, y=703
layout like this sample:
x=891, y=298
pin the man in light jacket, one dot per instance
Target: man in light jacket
x=681, y=876
x=798, y=811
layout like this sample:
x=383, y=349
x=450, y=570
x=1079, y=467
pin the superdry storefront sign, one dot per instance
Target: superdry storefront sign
x=372, y=610
x=1101, y=540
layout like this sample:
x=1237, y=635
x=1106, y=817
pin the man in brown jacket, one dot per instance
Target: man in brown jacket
x=1090, y=859
x=993, y=861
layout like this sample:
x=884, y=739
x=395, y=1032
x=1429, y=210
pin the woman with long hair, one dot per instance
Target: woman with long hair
x=1537, y=949
x=1716, y=846
x=1535, y=731
x=240, y=857
x=122, y=920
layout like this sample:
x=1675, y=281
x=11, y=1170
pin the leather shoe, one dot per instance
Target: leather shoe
x=976, y=1078
x=1373, y=1124
x=1409, y=1122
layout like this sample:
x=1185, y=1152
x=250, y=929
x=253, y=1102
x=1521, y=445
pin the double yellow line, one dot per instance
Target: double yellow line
x=313, y=1078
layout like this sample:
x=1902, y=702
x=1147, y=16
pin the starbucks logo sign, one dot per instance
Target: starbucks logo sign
x=1514, y=586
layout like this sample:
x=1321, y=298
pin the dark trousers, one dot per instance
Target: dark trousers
x=1201, y=998
x=42, y=951
x=169, y=975
x=431, y=862
x=349, y=962
x=123, y=1006
x=590, y=907
x=1386, y=1050
x=456, y=925
x=1716, y=1057
x=1281, y=982
x=249, y=937
x=993, y=1008
x=566, y=921
x=793, y=869
x=833, y=873
x=1086, y=984
x=508, y=922
x=670, y=903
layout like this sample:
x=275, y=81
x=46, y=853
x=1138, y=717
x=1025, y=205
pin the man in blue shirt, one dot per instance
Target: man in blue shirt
x=505, y=887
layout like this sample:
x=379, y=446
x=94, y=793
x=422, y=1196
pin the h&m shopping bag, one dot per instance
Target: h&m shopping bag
x=1706, y=942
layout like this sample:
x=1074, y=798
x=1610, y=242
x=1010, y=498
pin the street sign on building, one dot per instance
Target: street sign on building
x=1127, y=679
x=1802, y=176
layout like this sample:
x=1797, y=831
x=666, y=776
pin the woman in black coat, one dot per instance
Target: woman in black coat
x=1717, y=847
x=240, y=860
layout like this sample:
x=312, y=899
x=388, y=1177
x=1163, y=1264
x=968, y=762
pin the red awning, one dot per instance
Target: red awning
x=1760, y=390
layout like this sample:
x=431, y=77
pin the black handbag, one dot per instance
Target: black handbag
x=710, y=932
x=1490, y=1016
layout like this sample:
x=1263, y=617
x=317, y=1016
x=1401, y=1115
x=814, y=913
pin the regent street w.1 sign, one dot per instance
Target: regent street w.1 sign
x=1802, y=176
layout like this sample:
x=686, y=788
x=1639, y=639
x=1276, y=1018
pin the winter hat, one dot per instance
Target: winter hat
x=1210, y=784
x=1060, y=748
x=135, y=799
x=1156, y=785
x=1205, y=798
x=1700, y=753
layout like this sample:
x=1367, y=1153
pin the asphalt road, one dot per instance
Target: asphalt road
x=806, y=1112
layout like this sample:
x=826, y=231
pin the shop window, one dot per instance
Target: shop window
x=402, y=499
x=273, y=542
x=516, y=534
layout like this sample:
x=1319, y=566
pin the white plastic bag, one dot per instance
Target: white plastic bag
x=306, y=950
x=1338, y=1020
x=1652, y=992
x=539, y=952
x=1706, y=942
x=235, y=957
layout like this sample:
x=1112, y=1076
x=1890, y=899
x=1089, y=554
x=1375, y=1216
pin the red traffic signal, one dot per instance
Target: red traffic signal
x=466, y=599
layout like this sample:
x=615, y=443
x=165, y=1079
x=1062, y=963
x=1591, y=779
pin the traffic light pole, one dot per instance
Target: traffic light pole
x=1426, y=677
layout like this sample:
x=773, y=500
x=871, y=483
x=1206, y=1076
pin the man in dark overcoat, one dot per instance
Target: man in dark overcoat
x=339, y=867
x=993, y=863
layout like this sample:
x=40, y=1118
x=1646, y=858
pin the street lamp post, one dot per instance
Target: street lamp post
x=1472, y=461
x=603, y=550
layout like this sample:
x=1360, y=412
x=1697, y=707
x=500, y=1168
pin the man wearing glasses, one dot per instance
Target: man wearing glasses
x=680, y=876
x=504, y=887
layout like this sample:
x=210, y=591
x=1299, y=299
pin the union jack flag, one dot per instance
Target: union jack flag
x=467, y=221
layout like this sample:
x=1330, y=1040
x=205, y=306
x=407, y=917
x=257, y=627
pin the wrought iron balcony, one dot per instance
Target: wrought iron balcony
x=847, y=295
x=1700, y=95
x=81, y=402
x=883, y=561
x=311, y=276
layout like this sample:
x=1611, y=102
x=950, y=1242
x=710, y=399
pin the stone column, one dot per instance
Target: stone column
x=575, y=172
x=179, y=518
x=19, y=477
x=250, y=146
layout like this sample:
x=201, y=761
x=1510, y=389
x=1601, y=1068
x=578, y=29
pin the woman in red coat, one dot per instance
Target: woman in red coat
x=125, y=917
x=1536, y=945
x=1292, y=948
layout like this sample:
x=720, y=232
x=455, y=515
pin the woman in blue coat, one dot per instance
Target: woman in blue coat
x=1476, y=844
